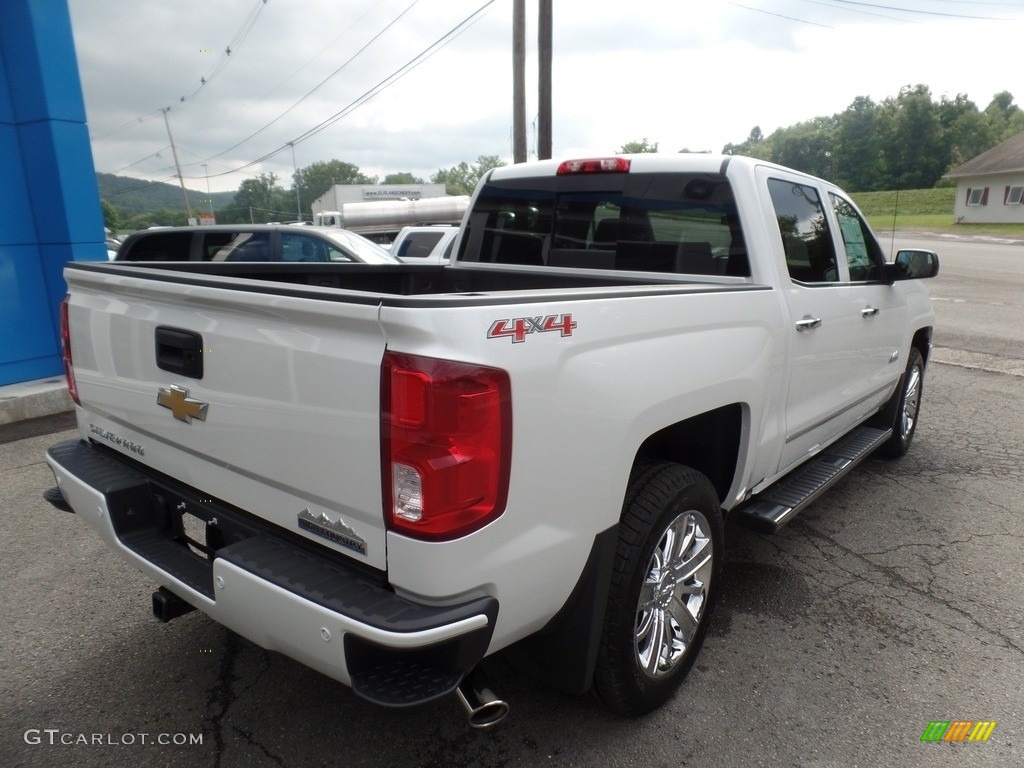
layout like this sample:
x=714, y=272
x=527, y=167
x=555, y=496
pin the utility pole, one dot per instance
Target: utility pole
x=177, y=165
x=209, y=194
x=519, y=81
x=295, y=182
x=544, y=26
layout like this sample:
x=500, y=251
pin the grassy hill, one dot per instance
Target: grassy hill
x=927, y=209
x=134, y=196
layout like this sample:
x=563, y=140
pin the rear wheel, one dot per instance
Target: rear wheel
x=663, y=587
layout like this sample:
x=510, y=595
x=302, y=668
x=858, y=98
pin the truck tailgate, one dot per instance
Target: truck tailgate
x=278, y=417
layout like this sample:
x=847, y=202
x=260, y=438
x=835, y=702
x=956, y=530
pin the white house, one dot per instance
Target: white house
x=990, y=187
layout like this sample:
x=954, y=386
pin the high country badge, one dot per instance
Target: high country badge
x=333, y=530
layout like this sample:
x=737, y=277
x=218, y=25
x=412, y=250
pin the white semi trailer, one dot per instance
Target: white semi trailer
x=385, y=218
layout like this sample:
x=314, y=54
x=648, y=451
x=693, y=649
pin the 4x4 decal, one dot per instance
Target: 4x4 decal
x=520, y=327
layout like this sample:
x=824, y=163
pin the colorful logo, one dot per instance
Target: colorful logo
x=958, y=730
x=519, y=328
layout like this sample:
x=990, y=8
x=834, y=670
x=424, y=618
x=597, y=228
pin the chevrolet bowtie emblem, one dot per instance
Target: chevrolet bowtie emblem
x=183, y=407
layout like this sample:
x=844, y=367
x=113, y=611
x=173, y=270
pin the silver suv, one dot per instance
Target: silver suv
x=252, y=242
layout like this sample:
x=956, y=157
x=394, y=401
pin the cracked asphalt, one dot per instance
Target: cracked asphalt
x=894, y=601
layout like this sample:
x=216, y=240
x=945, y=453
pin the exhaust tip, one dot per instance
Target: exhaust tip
x=484, y=710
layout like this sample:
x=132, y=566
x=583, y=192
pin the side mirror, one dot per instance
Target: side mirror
x=913, y=264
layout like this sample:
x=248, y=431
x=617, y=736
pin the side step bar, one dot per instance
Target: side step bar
x=777, y=505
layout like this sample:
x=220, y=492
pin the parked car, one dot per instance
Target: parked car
x=252, y=242
x=425, y=244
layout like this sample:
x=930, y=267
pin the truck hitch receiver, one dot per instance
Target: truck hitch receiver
x=167, y=605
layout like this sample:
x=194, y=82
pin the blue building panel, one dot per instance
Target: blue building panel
x=17, y=226
x=48, y=193
x=6, y=114
x=39, y=48
x=25, y=316
x=59, y=151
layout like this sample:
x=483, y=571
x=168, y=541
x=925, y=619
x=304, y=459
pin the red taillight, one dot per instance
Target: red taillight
x=594, y=165
x=446, y=434
x=65, y=351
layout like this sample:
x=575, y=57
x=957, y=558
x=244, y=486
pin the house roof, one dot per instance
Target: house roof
x=1007, y=157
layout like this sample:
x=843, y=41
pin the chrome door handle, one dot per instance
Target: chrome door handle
x=869, y=311
x=807, y=322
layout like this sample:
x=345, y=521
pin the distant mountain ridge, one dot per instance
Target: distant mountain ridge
x=134, y=196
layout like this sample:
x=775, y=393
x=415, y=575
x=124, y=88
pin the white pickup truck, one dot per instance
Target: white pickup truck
x=429, y=244
x=391, y=472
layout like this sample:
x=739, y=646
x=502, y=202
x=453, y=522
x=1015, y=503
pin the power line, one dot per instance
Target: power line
x=782, y=16
x=233, y=117
x=236, y=42
x=147, y=157
x=367, y=95
x=918, y=11
x=316, y=87
x=830, y=4
x=130, y=124
x=232, y=47
x=399, y=73
x=138, y=187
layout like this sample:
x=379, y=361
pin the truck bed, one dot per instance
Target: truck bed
x=389, y=284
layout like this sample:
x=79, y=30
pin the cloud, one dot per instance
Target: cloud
x=693, y=75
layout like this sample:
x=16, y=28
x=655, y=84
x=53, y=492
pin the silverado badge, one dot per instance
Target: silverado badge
x=337, y=531
x=183, y=407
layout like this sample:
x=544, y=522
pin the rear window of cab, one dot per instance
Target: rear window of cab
x=668, y=222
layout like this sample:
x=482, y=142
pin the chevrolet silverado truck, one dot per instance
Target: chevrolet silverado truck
x=390, y=472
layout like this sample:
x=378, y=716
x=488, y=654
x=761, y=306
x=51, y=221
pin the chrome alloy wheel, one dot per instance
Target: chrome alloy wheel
x=674, y=594
x=911, y=402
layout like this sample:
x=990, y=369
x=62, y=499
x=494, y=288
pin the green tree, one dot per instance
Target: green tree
x=637, y=147
x=462, y=179
x=110, y=218
x=965, y=130
x=163, y=218
x=859, y=164
x=316, y=179
x=807, y=147
x=402, y=178
x=258, y=200
x=457, y=180
x=1004, y=118
x=754, y=146
x=914, y=150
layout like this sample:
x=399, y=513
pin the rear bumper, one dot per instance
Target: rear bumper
x=272, y=588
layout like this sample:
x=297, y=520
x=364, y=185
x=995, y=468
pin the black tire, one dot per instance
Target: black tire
x=908, y=407
x=645, y=652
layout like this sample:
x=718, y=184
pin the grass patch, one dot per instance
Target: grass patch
x=930, y=209
x=909, y=202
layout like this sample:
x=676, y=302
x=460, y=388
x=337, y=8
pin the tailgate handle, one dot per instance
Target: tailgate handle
x=179, y=351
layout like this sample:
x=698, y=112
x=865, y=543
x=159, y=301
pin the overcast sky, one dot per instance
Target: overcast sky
x=693, y=74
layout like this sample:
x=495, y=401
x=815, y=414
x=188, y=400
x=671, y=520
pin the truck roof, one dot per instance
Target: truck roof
x=648, y=162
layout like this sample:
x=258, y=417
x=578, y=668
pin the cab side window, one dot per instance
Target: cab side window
x=803, y=226
x=245, y=246
x=301, y=248
x=863, y=254
x=159, y=246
